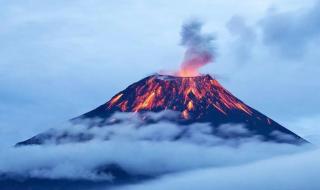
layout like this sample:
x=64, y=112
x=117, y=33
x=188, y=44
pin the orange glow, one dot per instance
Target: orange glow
x=220, y=109
x=146, y=103
x=190, y=105
x=187, y=95
x=243, y=108
x=188, y=72
x=123, y=105
x=185, y=114
x=114, y=100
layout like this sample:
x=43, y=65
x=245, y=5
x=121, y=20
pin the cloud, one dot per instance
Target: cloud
x=160, y=151
x=292, y=172
x=292, y=32
x=288, y=34
x=279, y=50
x=244, y=38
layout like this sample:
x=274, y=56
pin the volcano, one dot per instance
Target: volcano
x=197, y=99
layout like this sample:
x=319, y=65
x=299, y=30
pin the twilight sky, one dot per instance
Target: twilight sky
x=59, y=59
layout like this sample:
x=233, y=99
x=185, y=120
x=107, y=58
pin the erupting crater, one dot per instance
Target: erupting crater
x=191, y=96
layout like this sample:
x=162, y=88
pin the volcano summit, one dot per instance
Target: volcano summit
x=198, y=99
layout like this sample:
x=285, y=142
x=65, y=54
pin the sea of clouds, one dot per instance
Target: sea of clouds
x=291, y=172
x=197, y=159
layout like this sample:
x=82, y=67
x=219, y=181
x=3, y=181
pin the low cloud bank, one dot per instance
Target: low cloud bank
x=294, y=172
x=151, y=150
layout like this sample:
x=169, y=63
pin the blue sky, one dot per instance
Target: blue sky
x=59, y=59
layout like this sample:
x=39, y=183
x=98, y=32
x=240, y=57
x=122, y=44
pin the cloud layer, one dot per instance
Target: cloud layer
x=160, y=152
x=292, y=172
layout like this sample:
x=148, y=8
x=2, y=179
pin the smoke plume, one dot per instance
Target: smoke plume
x=199, y=48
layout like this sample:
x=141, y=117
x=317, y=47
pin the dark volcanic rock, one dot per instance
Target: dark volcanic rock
x=199, y=99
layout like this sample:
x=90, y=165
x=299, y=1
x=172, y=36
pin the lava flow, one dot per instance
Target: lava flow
x=192, y=96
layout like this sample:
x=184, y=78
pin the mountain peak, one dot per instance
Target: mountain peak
x=192, y=96
x=198, y=99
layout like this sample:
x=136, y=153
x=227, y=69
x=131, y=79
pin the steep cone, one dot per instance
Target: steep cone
x=195, y=99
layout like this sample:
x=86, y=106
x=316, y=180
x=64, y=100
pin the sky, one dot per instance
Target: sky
x=59, y=59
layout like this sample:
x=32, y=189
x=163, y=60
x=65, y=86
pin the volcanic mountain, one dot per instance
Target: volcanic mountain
x=198, y=99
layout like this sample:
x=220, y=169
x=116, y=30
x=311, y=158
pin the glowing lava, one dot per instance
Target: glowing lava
x=192, y=96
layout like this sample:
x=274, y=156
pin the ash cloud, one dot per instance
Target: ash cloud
x=200, y=49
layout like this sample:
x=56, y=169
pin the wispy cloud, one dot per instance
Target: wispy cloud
x=292, y=32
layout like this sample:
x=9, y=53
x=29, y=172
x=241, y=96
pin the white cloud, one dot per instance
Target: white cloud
x=292, y=172
x=149, y=150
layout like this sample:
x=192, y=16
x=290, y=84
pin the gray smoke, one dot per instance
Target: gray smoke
x=199, y=47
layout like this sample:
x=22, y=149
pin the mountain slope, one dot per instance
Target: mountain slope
x=199, y=99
